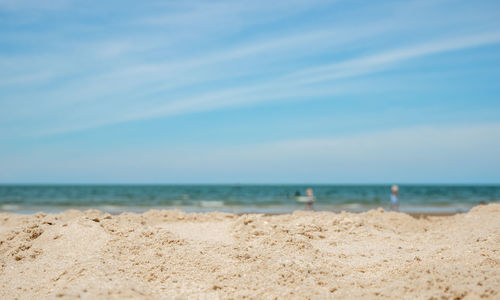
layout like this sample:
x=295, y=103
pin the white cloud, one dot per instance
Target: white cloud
x=89, y=91
x=274, y=89
x=277, y=88
x=384, y=60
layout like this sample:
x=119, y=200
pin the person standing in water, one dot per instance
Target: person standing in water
x=310, y=199
x=394, y=198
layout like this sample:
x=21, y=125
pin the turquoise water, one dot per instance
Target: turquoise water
x=240, y=198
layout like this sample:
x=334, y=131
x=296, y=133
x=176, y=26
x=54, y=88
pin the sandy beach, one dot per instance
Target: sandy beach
x=171, y=254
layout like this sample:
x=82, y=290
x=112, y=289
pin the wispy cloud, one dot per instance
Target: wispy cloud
x=380, y=61
x=128, y=78
x=277, y=88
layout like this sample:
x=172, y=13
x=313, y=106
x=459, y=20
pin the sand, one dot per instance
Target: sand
x=170, y=254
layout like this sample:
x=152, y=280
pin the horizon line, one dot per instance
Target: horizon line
x=245, y=183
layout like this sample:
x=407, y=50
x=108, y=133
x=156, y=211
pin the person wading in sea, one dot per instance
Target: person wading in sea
x=310, y=199
x=394, y=198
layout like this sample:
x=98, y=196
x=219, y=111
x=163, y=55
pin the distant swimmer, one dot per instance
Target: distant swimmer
x=394, y=198
x=308, y=199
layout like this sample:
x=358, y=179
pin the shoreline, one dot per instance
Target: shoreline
x=415, y=215
x=268, y=210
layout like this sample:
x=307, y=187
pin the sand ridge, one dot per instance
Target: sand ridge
x=171, y=254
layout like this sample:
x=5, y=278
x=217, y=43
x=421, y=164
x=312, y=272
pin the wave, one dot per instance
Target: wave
x=211, y=204
x=10, y=207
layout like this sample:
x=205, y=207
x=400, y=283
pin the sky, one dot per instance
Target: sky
x=295, y=91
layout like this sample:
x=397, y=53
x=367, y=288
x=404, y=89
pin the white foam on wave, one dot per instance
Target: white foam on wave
x=353, y=205
x=113, y=209
x=211, y=203
x=10, y=207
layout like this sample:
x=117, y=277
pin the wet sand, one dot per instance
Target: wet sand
x=169, y=254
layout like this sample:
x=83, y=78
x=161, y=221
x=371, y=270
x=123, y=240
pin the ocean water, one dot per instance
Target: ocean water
x=241, y=198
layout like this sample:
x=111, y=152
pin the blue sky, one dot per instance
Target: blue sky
x=249, y=91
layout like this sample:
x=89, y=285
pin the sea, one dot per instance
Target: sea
x=236, y=198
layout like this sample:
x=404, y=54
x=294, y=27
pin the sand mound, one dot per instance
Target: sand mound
x=165, y=254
